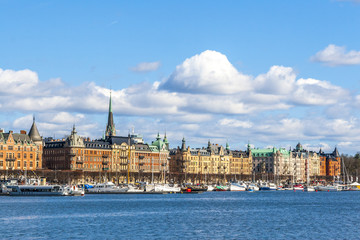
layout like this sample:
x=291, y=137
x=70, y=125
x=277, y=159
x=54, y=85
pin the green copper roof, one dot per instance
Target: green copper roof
x=262, y=152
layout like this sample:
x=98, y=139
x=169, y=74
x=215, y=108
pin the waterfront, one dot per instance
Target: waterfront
x=215, y=215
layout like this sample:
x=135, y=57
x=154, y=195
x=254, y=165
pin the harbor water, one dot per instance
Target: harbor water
x=210, y=215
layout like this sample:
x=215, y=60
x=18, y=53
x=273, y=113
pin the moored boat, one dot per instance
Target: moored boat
x=36, y=190
x=108, y=187
x=237, y=187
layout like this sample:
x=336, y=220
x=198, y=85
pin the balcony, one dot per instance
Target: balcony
x=10, y=159
x=104, y=163
x=105, y=156
x=141, y=157
x=72, y=154
x=105, y=168
x=79, y=162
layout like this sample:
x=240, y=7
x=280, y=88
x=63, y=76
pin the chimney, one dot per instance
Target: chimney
x=1, y=130
x=11, y=131
x=22, y=132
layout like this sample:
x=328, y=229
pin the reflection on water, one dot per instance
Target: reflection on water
x=216, y=215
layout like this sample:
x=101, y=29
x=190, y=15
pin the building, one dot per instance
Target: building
x=212, y=164
x=112, y=158
x=20, y=152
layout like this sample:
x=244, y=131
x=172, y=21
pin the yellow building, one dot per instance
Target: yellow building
x=19, y=151
x=208, y=165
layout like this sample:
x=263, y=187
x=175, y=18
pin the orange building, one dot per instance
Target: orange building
x=330, y=164
x=19, y=151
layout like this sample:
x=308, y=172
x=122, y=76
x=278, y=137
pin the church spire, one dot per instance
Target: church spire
x=110, y=127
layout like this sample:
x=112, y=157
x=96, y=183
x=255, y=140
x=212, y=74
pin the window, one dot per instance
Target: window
x=18, y=164
x=24, y=155
x=11, y=147
x=25, y=164
x=31, y=156
x=1, y=155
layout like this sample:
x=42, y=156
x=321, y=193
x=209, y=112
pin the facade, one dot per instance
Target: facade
x=211, y=164
x=20, y=152
x=332, y=163
x=113, y=158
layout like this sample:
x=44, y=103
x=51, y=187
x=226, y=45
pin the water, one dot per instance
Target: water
x=215, y=215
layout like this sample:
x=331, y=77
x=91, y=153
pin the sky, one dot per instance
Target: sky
x=268, y=73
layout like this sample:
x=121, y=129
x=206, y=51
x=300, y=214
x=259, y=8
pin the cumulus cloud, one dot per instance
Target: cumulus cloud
x=315, y=92
x=279, y=80
x=17, y=82
x=146, y=67
x=235, y=123
x=204, y=97
x=209, y=72
x=334, y=55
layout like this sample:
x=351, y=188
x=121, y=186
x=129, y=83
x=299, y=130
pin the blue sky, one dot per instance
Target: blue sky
x=270, y=72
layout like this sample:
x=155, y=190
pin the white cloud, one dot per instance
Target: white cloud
x=203, y=98
x=235, y=123
x=334, y=55
x=17, y=82
x=209, y=72
x=279, y=80
x=146, y=67
x=315, y=92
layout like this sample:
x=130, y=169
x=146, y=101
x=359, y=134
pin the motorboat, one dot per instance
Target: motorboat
x=252, y=187
x=74, y=191
x=298, y=187
x=166, y=188
x=354, y=186
x=328, y=188
x=309, y=189
x=108, y=187
x=237, y=186
x=265, y=186
x=36, y=190
x=220, y=188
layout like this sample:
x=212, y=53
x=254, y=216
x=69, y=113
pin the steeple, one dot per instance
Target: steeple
x=34, y=133
x=110, y=127
x=166, y=142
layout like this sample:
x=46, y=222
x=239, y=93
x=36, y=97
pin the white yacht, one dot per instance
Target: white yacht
x=108, y=187
x=36, y=190
x=166, y=188
x=252, y=187
x=237, y=186
x=74, y=191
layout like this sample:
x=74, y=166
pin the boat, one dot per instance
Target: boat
x=354, y=186
x=36, y=190
x=237, y=186
x=264, y=186
x=220, y=188
x=195, y=188
x=252, y=187
x=166, y=188
x=210, y=188
x=135, y=189
x=108, y=187
x=74, y=191
x=298, y=187
x=328, y=188
x=309, y=189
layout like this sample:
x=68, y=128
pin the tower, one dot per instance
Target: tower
x=34, y=133
x=110, y=127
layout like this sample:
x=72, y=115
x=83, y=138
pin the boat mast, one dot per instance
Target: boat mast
x=128, y=163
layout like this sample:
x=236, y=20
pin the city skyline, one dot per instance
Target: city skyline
x=274, y=74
